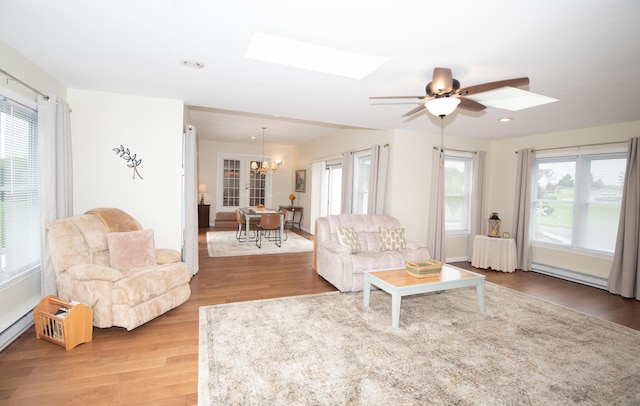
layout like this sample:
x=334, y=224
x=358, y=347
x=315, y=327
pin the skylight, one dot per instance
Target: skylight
x=510, y=98
x=298, y=54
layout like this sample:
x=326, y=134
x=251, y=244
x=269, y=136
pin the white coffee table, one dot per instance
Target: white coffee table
x=399, y=283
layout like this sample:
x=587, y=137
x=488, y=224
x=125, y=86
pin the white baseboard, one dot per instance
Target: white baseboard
x=457, y=259
x=573, y=276
x=15, y=330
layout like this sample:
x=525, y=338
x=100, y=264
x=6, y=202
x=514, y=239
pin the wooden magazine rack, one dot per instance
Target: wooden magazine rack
x=62, y=323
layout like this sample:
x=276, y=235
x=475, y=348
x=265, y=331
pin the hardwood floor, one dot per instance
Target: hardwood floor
x=157, y=363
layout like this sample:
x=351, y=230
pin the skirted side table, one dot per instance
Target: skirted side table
x=496, y=253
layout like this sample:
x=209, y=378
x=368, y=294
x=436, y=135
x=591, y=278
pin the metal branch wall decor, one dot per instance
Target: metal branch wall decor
x=131, y=159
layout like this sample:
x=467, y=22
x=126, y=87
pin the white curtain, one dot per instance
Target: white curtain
x=378, y=178
x=624, y=277
x=190, y=211
x=56, y=176
x=435, y=236
x=347, y=182
x=522, y=207
x=478, y=221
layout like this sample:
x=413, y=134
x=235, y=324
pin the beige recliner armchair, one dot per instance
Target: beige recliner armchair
x=104, y=259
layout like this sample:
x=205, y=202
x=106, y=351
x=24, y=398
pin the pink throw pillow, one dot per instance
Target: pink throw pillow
x=133, y=249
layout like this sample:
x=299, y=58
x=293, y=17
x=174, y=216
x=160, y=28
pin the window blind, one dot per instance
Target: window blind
x=19, y=230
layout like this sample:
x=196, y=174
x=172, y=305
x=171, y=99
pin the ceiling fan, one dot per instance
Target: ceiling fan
x=444, y=94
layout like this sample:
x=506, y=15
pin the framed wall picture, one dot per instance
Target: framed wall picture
x=301, y=180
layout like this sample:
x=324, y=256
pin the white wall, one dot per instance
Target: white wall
x=208, y=163
x=501, y=198
x=409, y=177
x=20, y=67
x=408, y=190
x=152, y=129
x=411, y=183
x=330, y=145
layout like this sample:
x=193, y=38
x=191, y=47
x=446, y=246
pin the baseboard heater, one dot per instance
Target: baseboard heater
x=573, y=276
x=15, y=330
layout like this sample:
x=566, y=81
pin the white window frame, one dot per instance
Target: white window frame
x=580, y=201
x=361, y=171
x=332, y=188
x=467, y=159
x=21, y=253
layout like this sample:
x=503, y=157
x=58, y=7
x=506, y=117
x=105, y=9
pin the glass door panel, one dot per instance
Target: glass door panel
x=256, y=189
x=231, y=183
x=239, y=185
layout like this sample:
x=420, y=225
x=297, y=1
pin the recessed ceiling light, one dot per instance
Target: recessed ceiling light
x=190, y=63
x=298, y=54
x=505, y=119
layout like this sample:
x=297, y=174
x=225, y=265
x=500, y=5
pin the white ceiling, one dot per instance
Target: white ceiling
x=583, y=52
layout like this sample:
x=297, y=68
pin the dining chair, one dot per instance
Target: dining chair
x=269, y=222
x=285, y=223
x=242, y=225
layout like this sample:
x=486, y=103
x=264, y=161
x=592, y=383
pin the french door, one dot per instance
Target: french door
x=238, y=185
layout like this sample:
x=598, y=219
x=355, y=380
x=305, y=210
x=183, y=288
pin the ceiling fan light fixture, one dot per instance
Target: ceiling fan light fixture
x=442, y=106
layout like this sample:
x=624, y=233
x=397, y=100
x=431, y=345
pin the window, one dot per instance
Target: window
x=332, y=188
x=361, y=169
x=457, y=193
x=19, y=212
x=577, y=200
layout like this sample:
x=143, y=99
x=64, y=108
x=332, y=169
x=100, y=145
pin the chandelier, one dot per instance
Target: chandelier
x=264, y=168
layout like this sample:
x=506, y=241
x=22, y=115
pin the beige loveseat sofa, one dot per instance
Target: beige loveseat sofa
x=104, y=259
x=380, y=245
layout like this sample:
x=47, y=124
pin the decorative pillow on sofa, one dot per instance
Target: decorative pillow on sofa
x=392, y=239
x=133, y=249
x=347, y=236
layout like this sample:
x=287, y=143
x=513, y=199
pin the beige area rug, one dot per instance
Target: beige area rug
x=225, y=244
x=329, y=350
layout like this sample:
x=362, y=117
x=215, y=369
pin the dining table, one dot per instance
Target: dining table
x=256, y=212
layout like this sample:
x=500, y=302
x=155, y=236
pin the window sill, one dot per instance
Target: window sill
x=7, y=280
x=456, y=233
x=572, y=250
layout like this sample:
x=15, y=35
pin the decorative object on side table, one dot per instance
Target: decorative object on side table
x=301, y=175
x=423, y=268
x=202, y=188
x=494, y=225
x=131, y=159
x=292, y=197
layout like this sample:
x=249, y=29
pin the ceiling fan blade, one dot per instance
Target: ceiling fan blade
x=398, y=97
x=471, y=105
x=414, y=111
x=518, y=82
x=442, y=81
